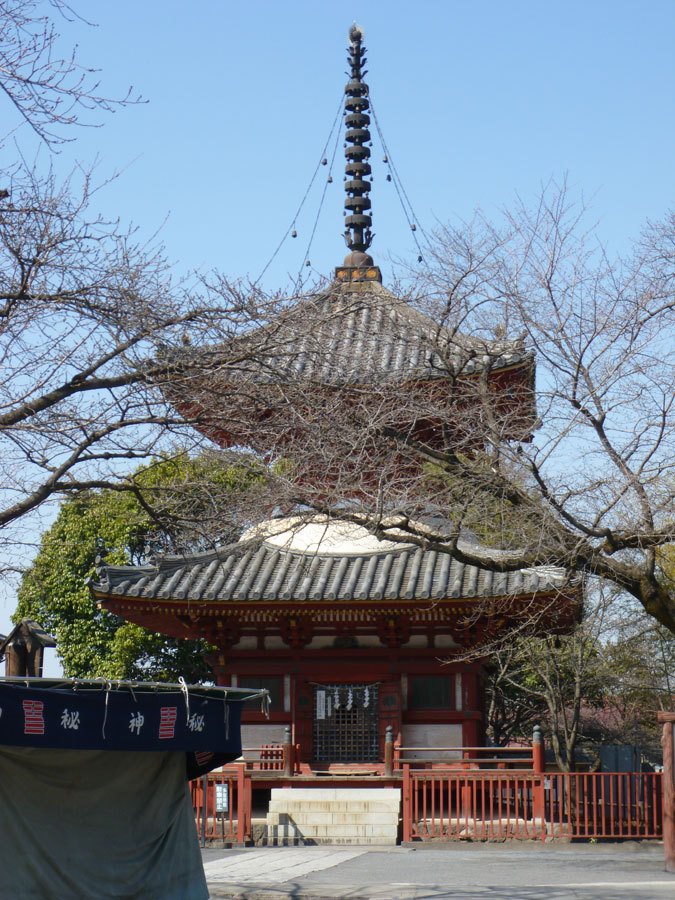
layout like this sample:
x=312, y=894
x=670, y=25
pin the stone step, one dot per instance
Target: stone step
x=339, y=793
x=301, y=817
x=294, y=830
x=336, y=806
x=333, y=816
x=270, y=841
x=343, y=796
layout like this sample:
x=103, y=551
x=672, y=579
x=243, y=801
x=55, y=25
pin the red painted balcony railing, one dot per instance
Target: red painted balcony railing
x=462, y=758
x=266, y=758
x=283, y=758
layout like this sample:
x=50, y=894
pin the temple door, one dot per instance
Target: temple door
x=346, y=723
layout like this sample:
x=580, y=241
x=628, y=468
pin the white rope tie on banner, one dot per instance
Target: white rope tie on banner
x=108, y=686
x=186, y=695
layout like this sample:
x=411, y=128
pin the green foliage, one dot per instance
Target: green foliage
x=127, y=528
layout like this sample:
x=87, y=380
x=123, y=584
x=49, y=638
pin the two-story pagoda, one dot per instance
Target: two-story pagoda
x=349, y=633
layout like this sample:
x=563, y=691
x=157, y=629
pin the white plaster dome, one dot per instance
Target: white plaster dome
x=318, y=535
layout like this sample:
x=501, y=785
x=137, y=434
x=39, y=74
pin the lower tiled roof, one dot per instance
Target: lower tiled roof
x=264, y=572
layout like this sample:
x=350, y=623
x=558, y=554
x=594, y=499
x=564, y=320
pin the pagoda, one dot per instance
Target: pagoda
x=350, y=633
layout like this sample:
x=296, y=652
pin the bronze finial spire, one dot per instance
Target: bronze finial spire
x=358, y=221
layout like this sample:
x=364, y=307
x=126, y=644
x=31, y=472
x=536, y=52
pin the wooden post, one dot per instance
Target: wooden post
x=205, y=781
x=287, y=747
x=241, y=802
x=538, y=757
x=538, y=782
x=668, y=740
x=389, y=751
x=248, y=803
x=407, y=803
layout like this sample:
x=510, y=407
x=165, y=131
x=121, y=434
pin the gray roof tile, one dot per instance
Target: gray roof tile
x=359, y=334
x=268, y=573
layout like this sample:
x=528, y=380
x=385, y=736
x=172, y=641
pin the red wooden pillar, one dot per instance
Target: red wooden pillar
x=538, y=785
x=407, y=803
x=667, y=741
x=303, y=718
x=242, y=798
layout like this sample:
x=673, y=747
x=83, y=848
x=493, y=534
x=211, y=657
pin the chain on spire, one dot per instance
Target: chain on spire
x=358, y=234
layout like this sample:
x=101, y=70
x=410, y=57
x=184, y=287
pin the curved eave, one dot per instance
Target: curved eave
x=410, y=380
x=512, y=387
x=193, y=619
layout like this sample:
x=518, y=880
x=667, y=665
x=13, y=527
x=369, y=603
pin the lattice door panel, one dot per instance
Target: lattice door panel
x=345, y=723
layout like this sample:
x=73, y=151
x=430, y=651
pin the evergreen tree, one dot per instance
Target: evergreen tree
x=129, y=527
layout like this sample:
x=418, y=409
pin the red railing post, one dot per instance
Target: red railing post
x=465, y=802
x=538, y=782
x=389, y=751
x=241, y=802
x=538, y=756
x=668, y=742
x=248, y=790
x=407, y=803
x=205, y=808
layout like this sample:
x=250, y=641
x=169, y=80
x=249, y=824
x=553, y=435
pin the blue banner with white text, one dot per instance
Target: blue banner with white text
x=122, y=719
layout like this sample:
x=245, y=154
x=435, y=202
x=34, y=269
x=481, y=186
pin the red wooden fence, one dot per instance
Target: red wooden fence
x=485, y=793
x=232, y=821
x=448, y=804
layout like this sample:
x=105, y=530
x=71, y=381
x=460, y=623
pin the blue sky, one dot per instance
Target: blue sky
x=478, y=101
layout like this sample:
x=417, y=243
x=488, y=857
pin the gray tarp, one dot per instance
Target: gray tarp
x=97, y=825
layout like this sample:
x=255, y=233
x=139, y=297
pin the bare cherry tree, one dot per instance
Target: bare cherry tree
x=48, y=90
x=596, y=480
x=89, y=312
x=515, y=410
x=83, y=307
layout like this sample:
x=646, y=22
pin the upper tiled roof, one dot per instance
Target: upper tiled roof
x=264, y=571
x=361, y=333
